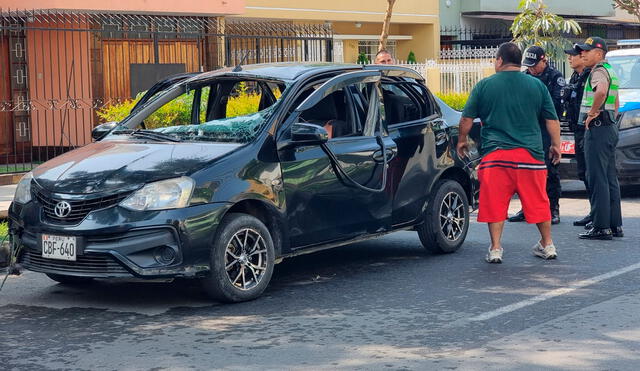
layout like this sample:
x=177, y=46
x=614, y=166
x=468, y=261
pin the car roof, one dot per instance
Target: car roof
x=291, y=71
x=624, y=52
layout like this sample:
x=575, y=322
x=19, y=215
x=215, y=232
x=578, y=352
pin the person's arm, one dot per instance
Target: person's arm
x=556, y=93
x=466, y=121
x=601, y=89
x=553, y=127
x=465, y=125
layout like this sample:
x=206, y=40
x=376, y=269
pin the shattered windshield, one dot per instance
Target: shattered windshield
x=239, y=129
x=222, y=110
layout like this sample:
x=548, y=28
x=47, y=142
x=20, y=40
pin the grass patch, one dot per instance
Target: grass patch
x=19, y=168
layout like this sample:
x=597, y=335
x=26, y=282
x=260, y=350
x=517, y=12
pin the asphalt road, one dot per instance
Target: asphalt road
x=382, y=304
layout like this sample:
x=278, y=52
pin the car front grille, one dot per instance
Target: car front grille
x=79, y=208
x=96, y=265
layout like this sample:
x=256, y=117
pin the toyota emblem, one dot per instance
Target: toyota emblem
x=62, y=209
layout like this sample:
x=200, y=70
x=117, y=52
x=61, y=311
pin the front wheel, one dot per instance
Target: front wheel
x=242, y=260
x=446, y=218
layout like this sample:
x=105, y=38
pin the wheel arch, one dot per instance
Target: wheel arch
x=460, y=176
x=268, y=215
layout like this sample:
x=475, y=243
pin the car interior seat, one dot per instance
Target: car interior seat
x=329, y=113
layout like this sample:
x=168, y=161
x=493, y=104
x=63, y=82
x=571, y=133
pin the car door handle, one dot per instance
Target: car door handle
x=377, y=155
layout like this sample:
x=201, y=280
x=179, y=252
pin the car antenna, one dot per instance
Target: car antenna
x=238, y=68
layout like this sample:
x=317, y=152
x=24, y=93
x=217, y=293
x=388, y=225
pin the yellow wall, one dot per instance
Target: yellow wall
x=415, y=18
x=404, y=11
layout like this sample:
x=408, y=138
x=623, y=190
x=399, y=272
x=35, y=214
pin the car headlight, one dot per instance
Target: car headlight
x=23, y=189
x=630, y=119
x=165, y=194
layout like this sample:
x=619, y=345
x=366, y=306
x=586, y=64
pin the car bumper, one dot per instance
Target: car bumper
x=118, y=243
x=628, y=156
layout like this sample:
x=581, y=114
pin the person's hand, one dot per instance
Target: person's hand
x=555, y=154
x=590, y=118
x=462, y=148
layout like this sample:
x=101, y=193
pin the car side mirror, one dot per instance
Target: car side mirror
x=308, y=134
x=102, y=130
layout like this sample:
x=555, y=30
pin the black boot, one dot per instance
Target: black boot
x=555, y=215
x=588, y=225
x=519, y=217
x=582, y=222
x=597, y=234
x=617, y=232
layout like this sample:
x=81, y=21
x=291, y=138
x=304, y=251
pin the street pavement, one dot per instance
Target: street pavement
x=384, y=304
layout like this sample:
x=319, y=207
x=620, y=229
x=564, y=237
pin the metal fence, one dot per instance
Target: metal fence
x=58, y=68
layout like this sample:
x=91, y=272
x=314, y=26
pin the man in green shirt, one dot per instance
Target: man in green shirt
x=510, y=105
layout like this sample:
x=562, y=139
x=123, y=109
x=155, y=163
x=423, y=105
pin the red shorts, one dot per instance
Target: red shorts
x=502, y=173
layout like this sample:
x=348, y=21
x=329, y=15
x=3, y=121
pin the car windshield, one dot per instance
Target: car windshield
x=628, y=70
x=224, y=110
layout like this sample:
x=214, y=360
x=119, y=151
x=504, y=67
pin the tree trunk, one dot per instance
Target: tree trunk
x=385, y=26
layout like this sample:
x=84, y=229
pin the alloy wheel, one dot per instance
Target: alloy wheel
x=452, y=217
x=246, y=259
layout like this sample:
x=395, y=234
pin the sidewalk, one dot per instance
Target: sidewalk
x=6, y=196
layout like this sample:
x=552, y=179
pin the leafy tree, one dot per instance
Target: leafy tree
x=630, y=6
x=385, y=25
x=411, y=58
x=535, y=25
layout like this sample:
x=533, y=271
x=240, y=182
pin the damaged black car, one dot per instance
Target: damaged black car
x=265, y=162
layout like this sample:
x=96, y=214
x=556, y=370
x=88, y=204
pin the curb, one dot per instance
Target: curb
x=7, y=179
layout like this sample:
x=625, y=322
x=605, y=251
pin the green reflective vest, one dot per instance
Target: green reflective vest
x=609, y=104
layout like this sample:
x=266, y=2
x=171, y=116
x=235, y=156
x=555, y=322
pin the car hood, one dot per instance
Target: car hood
x=112, y=165
x=629, y=98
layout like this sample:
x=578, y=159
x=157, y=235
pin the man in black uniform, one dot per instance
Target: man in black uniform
x=598, y=111
x=538, y=66
x=572, y=98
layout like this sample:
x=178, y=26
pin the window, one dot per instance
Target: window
x=370, y=48
x=405, y=102
x=222, y=110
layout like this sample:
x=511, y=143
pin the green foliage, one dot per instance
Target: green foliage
x=178, y=111
x=244, y=103
x=362, y=59
x=411, y=58
x=535, y=25
x=454, y=100
x=4, y=229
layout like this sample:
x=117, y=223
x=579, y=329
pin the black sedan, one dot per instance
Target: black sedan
x=255, y=165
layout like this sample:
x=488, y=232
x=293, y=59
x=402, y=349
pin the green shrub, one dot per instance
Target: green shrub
x=4, y=229
x=411, y=58
x=454, y=100
x=118, y=111
x=362, y=59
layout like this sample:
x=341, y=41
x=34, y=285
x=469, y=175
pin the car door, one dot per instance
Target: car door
x=322, y=204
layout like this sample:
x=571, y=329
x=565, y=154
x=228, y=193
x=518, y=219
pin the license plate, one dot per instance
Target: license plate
x=568, y=146
x=59, y=247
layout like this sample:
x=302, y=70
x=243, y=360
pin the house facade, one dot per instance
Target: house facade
x=357, y=25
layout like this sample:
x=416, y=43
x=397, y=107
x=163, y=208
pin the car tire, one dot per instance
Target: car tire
x=446, y=219
x=242, y=260
x=69, y=280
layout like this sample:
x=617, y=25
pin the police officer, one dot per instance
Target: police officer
x=598, y=111
x=572, y=99
x=537, y=65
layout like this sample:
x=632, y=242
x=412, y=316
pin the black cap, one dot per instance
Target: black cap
x=532, y=55
x=573, y=51
x=593, y=43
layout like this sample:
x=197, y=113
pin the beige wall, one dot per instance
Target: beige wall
x=405, y=11
x=136, y=6
x=415, y=18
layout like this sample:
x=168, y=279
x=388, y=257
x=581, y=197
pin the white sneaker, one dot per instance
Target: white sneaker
x=494, y=256
x=548, y=252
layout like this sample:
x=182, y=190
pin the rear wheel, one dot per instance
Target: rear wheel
x=69, y=280
x=242, y=259
x=446, y=218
